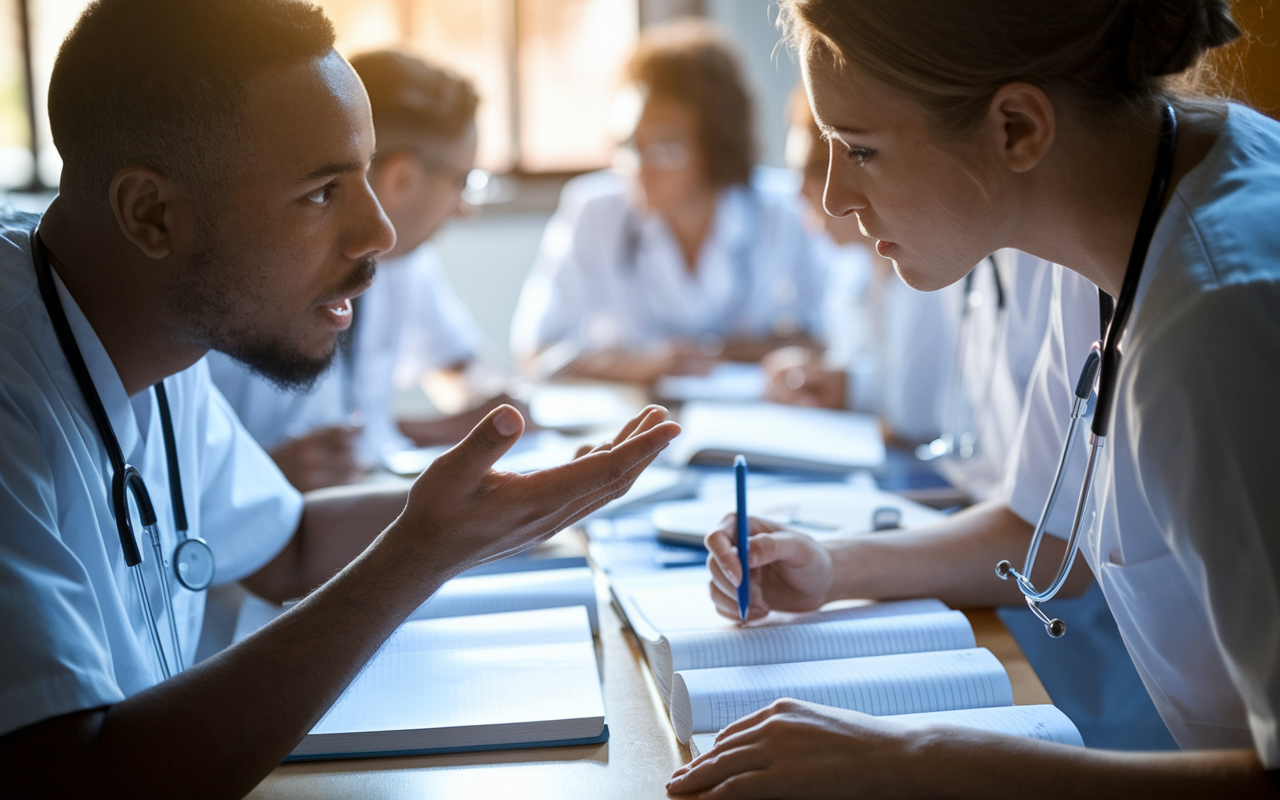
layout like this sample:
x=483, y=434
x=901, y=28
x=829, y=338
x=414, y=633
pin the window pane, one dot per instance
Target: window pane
x=15, y=155
x=472, y=38
x=571, y=53
x=51, y=21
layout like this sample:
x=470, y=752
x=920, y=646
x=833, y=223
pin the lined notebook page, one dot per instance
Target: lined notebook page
x=826, y=639
x=680, y=600
x=476, y=594
x=706, y=700
x=465, y=674
x=1034, y=722
x=514, y=591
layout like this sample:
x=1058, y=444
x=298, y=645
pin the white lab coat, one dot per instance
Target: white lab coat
x=1183, y=525
x=894, y=343
x=409, y=321
x=74, y=632
x=994, y=354
x=608, y=277
x=1089, y=673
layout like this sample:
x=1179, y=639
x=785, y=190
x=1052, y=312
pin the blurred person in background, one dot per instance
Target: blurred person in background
x=410, y=325
x=684, y=254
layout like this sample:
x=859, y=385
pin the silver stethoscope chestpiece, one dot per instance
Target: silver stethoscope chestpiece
x=193, y=564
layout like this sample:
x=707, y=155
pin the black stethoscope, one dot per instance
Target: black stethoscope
x=1100, y=373
x=193, y=564
x=954, y=442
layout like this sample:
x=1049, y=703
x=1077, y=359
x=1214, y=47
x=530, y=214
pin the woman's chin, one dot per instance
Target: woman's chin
x=923, y=279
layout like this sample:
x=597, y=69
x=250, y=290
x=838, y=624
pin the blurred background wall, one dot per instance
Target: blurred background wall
x=546, y=70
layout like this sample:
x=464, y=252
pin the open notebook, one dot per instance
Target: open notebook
x=474, y=594
x=1034, y=722
x=892, y=658
x=492, y=681
x=779, y=436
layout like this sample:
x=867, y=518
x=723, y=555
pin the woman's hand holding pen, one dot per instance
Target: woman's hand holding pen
x=789, y=571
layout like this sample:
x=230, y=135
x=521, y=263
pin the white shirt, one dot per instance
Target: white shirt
x=74, y=632
x=995, y=353
x=893, y=342
x=608, y=277
x=409, y=321
x=1185, y=515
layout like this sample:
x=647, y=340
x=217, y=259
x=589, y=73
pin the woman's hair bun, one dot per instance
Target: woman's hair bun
x=1167, y=37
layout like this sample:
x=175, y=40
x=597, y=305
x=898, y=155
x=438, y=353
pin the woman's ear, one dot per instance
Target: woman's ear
x=1024, y=119
x=145, y=203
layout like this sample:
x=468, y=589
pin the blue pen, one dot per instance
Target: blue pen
x=744, y=588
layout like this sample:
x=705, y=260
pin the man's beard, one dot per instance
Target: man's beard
x=221, y=323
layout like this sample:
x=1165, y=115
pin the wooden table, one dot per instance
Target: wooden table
x=635, y=763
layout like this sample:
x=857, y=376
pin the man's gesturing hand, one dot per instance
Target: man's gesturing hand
x=462, y=513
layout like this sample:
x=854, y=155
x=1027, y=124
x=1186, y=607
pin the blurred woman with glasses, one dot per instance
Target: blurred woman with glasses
x=684, y=253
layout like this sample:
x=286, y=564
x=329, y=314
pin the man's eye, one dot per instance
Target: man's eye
x=321, y=196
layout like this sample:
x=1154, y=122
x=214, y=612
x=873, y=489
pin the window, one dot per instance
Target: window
x=545, y=70
x=15, y=140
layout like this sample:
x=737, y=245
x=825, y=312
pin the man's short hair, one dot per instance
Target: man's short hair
x=163, y=83
x=413, y=100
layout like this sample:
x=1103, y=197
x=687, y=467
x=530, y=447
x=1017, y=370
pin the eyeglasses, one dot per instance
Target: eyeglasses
x=664, y=154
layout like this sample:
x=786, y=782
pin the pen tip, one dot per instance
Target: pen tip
x=739, y=461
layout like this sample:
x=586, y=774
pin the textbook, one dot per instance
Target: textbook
x=1043, y=722
x=473, y=594
x=679, y=629
x=891, y=658
x=706, y=700
x=493, y=681
x=778, y=436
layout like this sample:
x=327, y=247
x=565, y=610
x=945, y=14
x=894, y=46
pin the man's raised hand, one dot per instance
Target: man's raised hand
x=461, y=512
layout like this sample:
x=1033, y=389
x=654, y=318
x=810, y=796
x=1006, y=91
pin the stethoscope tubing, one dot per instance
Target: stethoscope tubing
x=127, y=480
x=1101, y=370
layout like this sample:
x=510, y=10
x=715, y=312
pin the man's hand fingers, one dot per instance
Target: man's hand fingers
x=474, y=456
x=651, y=414
x=601, y=469
x=586, y=505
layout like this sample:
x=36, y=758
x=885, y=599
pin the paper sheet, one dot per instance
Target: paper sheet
x=496, y=678
x=1042, y=722
x=770, y=434
x=709, y=699
x=478, y=594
